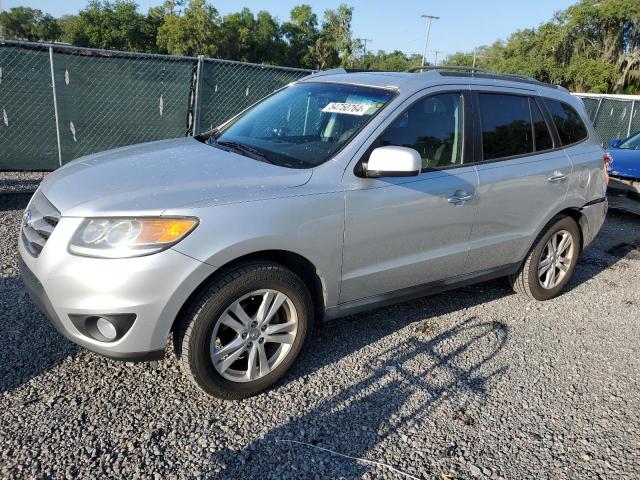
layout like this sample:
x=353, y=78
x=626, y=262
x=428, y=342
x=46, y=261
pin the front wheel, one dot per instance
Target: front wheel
x=551, y=262
x=245, y=330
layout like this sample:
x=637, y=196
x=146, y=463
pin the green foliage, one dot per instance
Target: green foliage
x=395, y=61
x=336, y=35
x=30, y=24
x=105, y=24
x=250, y=38
x=193, y=32
x=593, y=46
x=301, y=32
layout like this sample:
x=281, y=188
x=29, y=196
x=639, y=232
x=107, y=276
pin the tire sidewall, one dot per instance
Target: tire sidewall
x=539, y=292
x=216, y=303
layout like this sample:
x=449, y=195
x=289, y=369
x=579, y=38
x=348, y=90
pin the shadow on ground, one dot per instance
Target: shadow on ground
x=454, y=364
x=29, y=344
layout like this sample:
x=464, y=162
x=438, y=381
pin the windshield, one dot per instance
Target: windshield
x=632, y=143
x=303, y=125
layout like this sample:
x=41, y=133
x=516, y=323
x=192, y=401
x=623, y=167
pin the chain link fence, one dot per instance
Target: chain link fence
x=61, y=102
x=613, y=116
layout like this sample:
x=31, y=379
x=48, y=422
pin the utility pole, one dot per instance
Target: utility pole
x=363, y=40
x=436, y=52
x=475, y=51
x=429, y=18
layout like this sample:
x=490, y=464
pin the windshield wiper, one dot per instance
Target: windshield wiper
x=244, y=149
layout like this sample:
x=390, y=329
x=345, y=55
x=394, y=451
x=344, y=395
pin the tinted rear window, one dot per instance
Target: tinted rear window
x=506, y=126
x=568, y=123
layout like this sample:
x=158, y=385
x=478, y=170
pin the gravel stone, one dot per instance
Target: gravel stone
x=484, y=383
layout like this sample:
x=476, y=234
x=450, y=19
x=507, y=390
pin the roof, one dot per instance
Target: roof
x=426, y=77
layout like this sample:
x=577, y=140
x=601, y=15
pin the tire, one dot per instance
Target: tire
x=529, y=280
x=215, y=312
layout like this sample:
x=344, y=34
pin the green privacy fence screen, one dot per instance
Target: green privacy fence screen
x=613, y=116
x=58, y=103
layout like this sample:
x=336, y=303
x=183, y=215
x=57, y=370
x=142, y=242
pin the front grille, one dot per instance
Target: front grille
x=38, y=223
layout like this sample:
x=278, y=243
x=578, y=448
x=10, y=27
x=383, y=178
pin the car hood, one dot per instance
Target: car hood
x=626, y=163
x=149, y=178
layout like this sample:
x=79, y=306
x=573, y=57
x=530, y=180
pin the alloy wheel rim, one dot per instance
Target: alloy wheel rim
x=555, y=260
x=253, y=335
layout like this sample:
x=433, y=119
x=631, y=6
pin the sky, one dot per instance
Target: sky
x=463, y=24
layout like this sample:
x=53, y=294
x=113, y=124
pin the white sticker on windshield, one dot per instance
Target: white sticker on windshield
x=347, y=108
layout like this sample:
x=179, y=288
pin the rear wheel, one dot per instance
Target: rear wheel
x=551, y=262
x=245, y=330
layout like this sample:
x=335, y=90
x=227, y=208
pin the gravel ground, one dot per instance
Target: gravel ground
x=20, y=182
x=475, y=383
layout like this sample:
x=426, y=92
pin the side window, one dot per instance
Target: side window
x=432, y=126
x=506, y=125
x=568, y=122
x=540, y=129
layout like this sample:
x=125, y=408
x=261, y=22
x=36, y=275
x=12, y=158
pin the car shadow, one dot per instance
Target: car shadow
x=456, y=364
x=29, y=344
x=385, y=403
x=14, y=200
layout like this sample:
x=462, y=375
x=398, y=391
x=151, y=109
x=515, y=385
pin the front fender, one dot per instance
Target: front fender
x=309, y=225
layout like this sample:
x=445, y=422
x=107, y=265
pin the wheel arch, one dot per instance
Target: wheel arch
x=298, y=264
x=572, y=212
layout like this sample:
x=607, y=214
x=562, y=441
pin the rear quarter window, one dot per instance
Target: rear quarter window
x=570, y=127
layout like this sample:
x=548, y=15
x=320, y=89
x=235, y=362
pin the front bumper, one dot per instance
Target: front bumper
x=152, y=288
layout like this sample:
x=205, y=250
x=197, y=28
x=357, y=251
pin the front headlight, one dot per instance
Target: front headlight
x=129, y=237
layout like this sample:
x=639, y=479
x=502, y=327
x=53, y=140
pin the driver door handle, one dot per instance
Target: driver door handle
x=460, y=197
x=557, y=178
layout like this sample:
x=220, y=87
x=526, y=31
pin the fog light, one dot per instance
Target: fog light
x=106, y=328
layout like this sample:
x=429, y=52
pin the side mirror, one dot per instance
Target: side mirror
x=392, y=161
x=616, y=143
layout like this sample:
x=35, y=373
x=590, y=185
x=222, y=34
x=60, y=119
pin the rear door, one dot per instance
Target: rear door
x=523, y=175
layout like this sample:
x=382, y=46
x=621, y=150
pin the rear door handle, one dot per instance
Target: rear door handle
x=460, y=197
x=557, y=178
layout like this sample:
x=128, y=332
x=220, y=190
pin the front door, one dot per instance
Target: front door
x=409, y=231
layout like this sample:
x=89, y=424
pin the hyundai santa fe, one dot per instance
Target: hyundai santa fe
x=336, y=194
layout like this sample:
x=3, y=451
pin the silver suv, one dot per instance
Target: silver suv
x=337, y=194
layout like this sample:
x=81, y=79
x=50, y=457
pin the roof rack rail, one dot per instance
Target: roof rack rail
x=473, y=71
x=322, y=73
x=449, y=67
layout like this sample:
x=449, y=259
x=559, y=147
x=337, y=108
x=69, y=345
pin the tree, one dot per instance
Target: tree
x=104, y=24
x=395, y=61
x=194, y=32
x=301, y=33
x=251, y=39
x=593, y=45
x=335, y=37
x=24, y=23
x=48, y=29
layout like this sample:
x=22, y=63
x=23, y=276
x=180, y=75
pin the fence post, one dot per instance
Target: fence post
x=55, y=105
x=196, y=101
x=633, y=106
x=595, y=115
